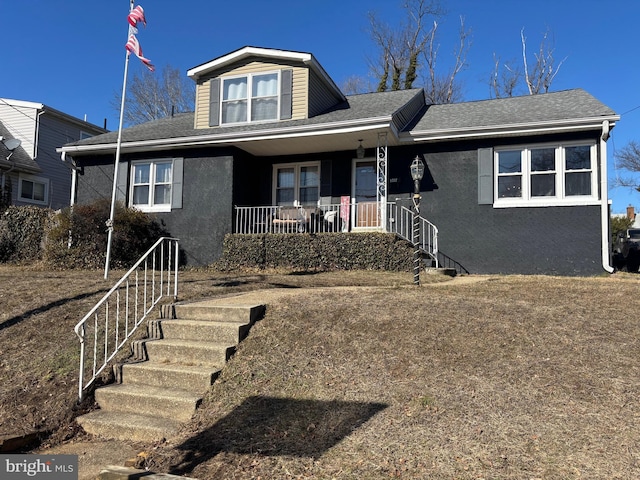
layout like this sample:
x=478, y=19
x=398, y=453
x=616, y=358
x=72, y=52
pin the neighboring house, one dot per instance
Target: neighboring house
x=514, y=185
x=34, y=171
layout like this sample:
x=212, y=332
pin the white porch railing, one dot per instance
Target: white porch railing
x=401, y=223
x=337, y=218
x=108, y=326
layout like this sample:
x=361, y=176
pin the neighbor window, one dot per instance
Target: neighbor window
x=297, y=184
x=250, y=98
x=151, y=185
x=545, y=175
x=33, y=189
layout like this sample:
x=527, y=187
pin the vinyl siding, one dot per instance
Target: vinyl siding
x=320, y=98
x=299, y=91
x=21, y=122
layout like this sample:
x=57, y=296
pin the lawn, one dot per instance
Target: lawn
x=480, y=377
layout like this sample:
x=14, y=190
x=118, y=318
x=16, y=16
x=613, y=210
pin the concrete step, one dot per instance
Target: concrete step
x=196, y=379
x=148, y=400
x=228, y=333
x=188, y=352
x=207, y=310
x=128, y=426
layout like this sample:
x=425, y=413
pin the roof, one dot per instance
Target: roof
x=349, y=120
x=402, y=114
x=553, y=110
x=266, y=53
x=19, y=160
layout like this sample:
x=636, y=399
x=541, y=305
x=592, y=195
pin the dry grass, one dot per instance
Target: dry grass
x=503, y=377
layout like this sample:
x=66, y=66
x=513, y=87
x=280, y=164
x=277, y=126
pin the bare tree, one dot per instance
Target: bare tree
x=410, y=51
x=628, y=158
x=151, y=95
x=538, y=75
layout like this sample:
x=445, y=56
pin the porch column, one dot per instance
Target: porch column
x=381, y=168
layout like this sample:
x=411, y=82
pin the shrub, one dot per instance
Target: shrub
x=79, y=238
x=22, y=230
x=323, y=251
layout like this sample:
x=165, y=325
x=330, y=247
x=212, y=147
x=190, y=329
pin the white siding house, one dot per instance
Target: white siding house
x=35, y=173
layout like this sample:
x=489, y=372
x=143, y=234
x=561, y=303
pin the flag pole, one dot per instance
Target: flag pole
x=117, y=160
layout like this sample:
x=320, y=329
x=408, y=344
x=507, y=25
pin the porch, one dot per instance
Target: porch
x=344, y=217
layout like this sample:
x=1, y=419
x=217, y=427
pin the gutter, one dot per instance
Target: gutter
x=234, y=138
x=604, y=199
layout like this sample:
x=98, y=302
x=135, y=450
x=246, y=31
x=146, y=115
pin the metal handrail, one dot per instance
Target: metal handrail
x=401, y=223
x=159, y=266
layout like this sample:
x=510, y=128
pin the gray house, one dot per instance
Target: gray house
x=274, y=146
x=32, y=172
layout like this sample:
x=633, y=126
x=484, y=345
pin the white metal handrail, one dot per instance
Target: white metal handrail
x=110, y=323
x=401, y=223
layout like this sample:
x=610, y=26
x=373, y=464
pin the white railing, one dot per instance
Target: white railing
x=338, y=218
x=401, y=222
x=108, y=326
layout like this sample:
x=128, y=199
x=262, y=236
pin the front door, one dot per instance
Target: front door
x=364, y=194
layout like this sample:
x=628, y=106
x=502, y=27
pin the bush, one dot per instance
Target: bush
x=79, y=238
x=22, y=231
x=319, y=252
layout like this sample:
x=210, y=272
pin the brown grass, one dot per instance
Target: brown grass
x=492, y=377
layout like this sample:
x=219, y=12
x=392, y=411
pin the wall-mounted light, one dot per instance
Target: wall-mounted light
x=360, y=150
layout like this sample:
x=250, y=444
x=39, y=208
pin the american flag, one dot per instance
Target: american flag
x=133, y=46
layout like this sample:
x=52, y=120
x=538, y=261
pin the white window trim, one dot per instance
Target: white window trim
x=249, y=77
x=34, y=179
x=164, y=207
x=296, y=187
x=560, y=199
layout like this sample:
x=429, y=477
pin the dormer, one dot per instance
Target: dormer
x=259, y=85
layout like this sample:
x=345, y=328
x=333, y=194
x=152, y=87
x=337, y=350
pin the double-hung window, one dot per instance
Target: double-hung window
x=33, y=189
x=151, y=184
x=250, y=98
x=297, y=184
x=544, y=175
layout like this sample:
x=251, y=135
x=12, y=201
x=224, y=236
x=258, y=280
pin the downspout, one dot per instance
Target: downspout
x=604, y=199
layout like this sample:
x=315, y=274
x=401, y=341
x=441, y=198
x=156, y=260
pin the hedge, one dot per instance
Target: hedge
x=317, y=252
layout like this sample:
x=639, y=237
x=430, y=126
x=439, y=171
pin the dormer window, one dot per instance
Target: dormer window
x=237, y=105
x=255, y=97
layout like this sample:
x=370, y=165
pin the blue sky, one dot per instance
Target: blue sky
x=70, y=55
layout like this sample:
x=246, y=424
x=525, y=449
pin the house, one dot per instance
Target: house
x=512, y=185
x=32, y=173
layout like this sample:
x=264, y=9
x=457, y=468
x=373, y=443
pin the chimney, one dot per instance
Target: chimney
x=631, y=213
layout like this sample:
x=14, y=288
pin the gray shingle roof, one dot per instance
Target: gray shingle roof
x=357, y=108
x=551, y=107
x=20, y=159
x=565, y=105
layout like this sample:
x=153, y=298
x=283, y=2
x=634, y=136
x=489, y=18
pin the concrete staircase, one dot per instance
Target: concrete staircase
x=183, y=357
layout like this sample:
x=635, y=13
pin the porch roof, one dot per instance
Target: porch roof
x=339, y=128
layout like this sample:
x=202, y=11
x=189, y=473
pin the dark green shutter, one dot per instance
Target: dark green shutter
x=214, y=103
x=121, y=185
x=286, y=87
x=176, y=187
x=485, y=176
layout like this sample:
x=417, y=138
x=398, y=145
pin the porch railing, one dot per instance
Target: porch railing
x=400, y=222
x=337, y=218
x=112, y=321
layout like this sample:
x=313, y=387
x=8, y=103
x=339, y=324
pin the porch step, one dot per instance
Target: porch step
x=170, y=375
x=204, y=330
x=158, y=394
x=189, y=352
x=128, y=426
x=224, y=313
x=148, y=400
